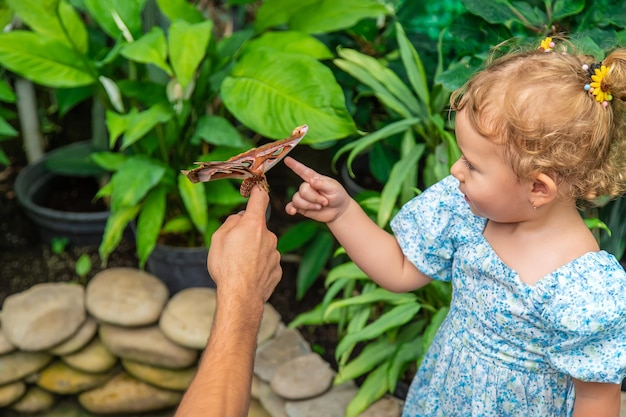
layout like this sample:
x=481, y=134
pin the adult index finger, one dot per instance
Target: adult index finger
x=257, y=203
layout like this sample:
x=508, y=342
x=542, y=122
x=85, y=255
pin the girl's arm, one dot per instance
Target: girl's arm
x=596, y=399
x=374, y=250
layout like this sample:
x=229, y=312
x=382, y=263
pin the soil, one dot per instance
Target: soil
x=25, y=260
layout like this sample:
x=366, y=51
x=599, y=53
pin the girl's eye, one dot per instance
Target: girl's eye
x=467, y=163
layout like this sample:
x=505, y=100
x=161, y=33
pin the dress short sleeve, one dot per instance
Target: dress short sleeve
x=588, y=316
x=429, y=227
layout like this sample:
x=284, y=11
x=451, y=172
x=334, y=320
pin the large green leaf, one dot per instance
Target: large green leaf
x=293, y=42
x=6, y=92
x=149, y=223
x=218, y=130
x=272, y=92
x=297, y=236
x=379, y=295
x=194, y=199
x=224, y=193
x=134, y=178
x=414, y=67
x=135, y=125
x=493, y=11
x=347, y=270
x=370, y=357
x=373, y=388
x=54, y=19
x=317, y=16
x=44, y=61
x=151, y=48
x=126, y=12
x=187, y=44
x=180, y=9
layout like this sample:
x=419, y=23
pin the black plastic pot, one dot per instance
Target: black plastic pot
x=33, y=186
x=180, y=267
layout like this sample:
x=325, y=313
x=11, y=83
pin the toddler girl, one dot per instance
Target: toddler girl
x=537, y=323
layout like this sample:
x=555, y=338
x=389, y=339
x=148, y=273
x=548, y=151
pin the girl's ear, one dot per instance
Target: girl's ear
x=544, y=190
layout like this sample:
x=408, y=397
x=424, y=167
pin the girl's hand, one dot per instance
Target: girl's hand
x=320, y=198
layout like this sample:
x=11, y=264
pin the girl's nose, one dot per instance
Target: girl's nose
x=457, y=170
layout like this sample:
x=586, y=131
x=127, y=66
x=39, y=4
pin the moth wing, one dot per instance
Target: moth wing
x=208, y=171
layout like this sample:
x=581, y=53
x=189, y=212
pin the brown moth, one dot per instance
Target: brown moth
x=250, y=166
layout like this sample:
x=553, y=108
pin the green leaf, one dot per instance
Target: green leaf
x=414, y=67
x=292, y=42
x=272, y=92
x=135, y=125
x=151, y=48
x=188, y=45
x=68, y=98
x=493, y=11
x=180, y=9
x=395, y=317
x=433, y=326
x=373, y=388
x=405, y=354
x=54, y=19
x=114, y=230
x=178, y=225
x=74, y=160
x=297, y=236
x=347, y=270
x=83, y=265
x=4, y=159
x=313, y=261
x=387, y=86
x=135, y=177
x=111, y=161
x=194, y=199
x=317, y=16
x=223, y=193
x=149, y=223
x=6, y=92
x=47, y=62
x=219, y=131
x=6, y=130
x=399, y=174
x=104, y=12
x=379, y=295
x=371, y=356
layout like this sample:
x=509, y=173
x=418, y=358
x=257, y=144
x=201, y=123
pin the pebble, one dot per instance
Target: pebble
x=60, y=378
x=269, y=324
x=126, y=297
x=44, y=315
x=332, y=404
x=83, y=335
x=10, y=393
x=5, y=345
x=125, y=394
x=94, y=358
x=303, y=377
x=174, y=379
x=188, y=317
x=385, y=407
x=36, y=400
x=287, y=345
x=19, y=364
x=146, y=345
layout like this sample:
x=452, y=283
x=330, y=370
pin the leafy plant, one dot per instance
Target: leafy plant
x=7, y=131
x=184, y=92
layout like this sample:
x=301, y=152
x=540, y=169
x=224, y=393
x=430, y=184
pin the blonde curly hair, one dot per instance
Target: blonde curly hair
x=534, y=103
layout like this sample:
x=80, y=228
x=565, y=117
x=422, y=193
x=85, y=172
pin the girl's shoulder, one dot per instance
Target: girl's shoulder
x=441, y=207
x=589, y=293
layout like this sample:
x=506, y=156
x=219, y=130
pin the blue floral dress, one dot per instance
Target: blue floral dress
x=508, y=348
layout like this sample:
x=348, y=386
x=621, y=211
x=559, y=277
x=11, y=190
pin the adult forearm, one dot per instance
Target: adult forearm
x=222, y=384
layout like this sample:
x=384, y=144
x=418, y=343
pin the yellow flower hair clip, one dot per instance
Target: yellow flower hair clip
x=546, y=44
x=597, y=86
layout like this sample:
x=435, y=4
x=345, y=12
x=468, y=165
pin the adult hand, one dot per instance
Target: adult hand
x=243, y=258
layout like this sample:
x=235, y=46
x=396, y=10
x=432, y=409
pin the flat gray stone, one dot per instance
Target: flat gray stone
x=78, y=340
x=126, y=297
x=5, y=345
x=188, y=317
x=269, y=324
x=94, y=358
x=273, y=403
x=35, y=400
x=10, y=393
x=331, y=404
x=125, y=394
x=19, y=364
x=385, y=407
x=44, y=315
x=303, y=377
x=287, y=345
x=146, y=345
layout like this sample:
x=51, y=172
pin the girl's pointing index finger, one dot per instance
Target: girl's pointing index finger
x=300, y=169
